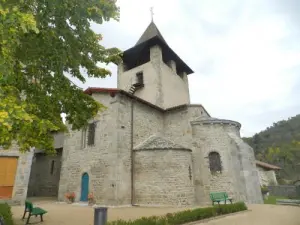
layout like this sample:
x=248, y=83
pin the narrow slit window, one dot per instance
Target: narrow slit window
x=52, y=167
x=139, y=78
x=190, y=172
x=91, y=134
x=215, y=162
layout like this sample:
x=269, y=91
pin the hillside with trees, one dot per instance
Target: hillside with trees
x=279, y=144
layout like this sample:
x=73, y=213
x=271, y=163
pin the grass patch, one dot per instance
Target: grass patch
x=272, y=199
x=5, y=212
x=185, y=216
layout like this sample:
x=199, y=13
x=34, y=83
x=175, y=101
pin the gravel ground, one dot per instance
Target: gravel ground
x=65, y=214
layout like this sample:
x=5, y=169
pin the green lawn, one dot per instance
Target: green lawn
x=272, y=199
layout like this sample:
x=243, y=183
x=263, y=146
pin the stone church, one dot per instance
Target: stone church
x=150, y=146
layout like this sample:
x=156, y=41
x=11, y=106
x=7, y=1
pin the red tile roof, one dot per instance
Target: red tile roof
x=267, y=165
x=91, y=90
x=112, y=92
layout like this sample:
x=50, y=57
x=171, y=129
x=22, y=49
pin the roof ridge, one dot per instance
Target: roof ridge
x=150, y=32
x=159, y=142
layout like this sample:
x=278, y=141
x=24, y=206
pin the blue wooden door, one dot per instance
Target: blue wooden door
x=84, y=187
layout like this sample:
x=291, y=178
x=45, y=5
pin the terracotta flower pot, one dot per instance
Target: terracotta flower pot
x=70, y=200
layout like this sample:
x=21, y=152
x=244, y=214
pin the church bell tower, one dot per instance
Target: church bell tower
x=152, y=71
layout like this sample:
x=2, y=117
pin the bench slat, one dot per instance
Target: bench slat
x=38, y=211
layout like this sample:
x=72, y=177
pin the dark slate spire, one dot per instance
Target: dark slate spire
x=151, y=32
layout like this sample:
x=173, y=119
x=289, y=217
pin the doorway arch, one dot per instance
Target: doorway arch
x=84, y=187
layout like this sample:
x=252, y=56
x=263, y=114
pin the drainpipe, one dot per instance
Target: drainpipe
x=131, y=156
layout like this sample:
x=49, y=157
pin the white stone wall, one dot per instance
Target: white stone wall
x=213, y=138
x=175, y=87
x=163, y=87
x=162, y=177
x=177, y=127
x=151, y=91
x=98, y=161
x=108, y=163
x=146, y=122
x=248, y=170
x=266, y=177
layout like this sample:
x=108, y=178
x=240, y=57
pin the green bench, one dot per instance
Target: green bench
x=219, y=197
x=33, y=211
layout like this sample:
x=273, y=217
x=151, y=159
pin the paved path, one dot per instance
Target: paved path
x=262, y=215
x=64, y=214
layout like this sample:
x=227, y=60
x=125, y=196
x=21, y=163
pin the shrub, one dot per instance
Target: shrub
x=5, y=212
x=264, y=190
x=186, y=216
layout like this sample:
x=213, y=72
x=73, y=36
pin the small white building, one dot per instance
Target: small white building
x=267, y=174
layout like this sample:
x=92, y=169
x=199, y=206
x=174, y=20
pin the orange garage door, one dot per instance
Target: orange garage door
x=8, y=168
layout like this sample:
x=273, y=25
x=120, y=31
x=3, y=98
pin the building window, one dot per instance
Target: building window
x=215, y=162
x=190, y=172
x=52, y=167
x=91, y=134
x=139, y=79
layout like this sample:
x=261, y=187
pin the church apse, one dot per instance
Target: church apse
x=163, y=173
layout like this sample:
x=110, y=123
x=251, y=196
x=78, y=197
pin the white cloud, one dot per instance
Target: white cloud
x=242, y=72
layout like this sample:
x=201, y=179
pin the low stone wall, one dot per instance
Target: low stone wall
x=288, y=202
x=284, y=191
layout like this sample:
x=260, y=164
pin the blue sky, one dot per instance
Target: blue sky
x=245, y=54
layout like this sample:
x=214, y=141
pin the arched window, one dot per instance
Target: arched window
x=215, y=162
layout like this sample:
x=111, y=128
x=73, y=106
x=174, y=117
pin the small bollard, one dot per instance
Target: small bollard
x=1, y=220
x=100, y=215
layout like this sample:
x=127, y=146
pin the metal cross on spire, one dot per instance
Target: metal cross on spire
x=152, y=13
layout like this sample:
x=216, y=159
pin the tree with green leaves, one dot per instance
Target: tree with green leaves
x=41, y=41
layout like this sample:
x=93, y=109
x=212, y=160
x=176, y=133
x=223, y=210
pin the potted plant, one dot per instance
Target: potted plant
x=70, y=197
x=91, y=199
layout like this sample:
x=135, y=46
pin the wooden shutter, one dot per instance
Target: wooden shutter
x=8, y=168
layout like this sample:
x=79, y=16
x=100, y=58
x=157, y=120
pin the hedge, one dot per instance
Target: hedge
x=184, y=216
x=5, y=212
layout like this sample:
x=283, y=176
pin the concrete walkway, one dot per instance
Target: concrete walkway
x=262, y=215
x=65, y=214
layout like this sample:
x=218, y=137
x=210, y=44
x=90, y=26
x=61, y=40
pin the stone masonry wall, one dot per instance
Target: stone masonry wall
x=98, y=160
x=177, y=127
x=239, y=178
x=146, y=122
x=162, y=177
x=288, y=191
x=213, y=138
x=162, y=86
x=248, y=170
x=42, y=182
x=22, y=174
x=108, y=163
